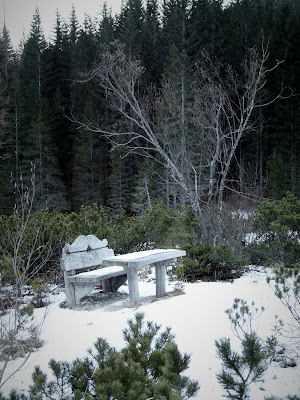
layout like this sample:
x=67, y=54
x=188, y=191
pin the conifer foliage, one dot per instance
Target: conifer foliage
x=240, y=370
x=42, y=93
x=149, y=366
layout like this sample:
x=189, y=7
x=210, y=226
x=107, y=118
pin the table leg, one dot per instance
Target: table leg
x=160, y=274
x=133, y=286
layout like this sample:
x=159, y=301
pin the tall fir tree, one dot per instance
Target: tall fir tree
x=151, y=43
x=205, y=28
x=106, y=26
x=8, y=71
x=57, y=88
x=4, y=148
x=175, y=116
x=8, y=57
x=283, y=132
x=129, y=26
x=121, y=180
x=243, y=29
x=90, y=172
x=73, y=28
x=36, y=146
x=174, y=25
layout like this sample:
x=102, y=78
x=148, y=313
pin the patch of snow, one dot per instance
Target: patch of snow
x=97, y=273
x=138, y=254
x=197, y=319
x=241, y=214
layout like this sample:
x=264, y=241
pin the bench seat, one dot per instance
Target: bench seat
x=98, y=275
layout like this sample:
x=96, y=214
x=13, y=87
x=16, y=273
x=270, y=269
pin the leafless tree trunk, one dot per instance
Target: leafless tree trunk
x=18, y=327
x=120, y=77
x=223, y=107
x=226, y=105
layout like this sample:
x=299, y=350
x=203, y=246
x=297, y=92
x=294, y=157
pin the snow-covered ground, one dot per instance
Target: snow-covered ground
x=197, y=318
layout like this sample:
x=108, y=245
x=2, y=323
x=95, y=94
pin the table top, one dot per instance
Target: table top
x=141, y=259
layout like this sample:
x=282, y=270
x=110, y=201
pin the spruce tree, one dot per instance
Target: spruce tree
x=36, y=146
x=174, y=25
x=106, y=27
x=204, y=28
x=57, y=87
x=4, y=148
x=151, y=43
x=8, y=57
x=143, y=189
x=121, y=176
x=284, y=116
x=175, y=116
x=73, y=28
x=90, y=159
x=129, y=26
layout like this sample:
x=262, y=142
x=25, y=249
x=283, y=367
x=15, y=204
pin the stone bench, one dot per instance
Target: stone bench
x=85, y=253
x=88, y=252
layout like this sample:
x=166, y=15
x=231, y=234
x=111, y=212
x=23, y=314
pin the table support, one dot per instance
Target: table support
x=160, y=274
x=133, y=286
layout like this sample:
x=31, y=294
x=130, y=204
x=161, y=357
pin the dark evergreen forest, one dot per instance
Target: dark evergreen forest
x=43, y=95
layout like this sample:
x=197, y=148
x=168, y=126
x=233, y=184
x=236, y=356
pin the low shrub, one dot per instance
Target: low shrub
x=150, y=366
x=47, y=232
x=277, y=223
x=209, y=262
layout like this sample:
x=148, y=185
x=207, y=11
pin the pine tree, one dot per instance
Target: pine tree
x=239, y=371
x=149, y=366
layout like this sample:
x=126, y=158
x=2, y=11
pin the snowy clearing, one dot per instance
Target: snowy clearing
x=197, y=318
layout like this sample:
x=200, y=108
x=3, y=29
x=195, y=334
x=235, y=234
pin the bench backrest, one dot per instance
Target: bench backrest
x=84, y=252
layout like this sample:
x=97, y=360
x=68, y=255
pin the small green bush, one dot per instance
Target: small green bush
x=209, y=262
x=240, y=370
x=277, y=223
x=149, y=366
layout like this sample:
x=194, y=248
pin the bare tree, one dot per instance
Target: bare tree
x=121, y=77
x=224, y=112
x=23, y=255
x=200, y=154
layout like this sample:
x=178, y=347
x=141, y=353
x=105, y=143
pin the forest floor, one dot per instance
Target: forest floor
x=194, y=311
